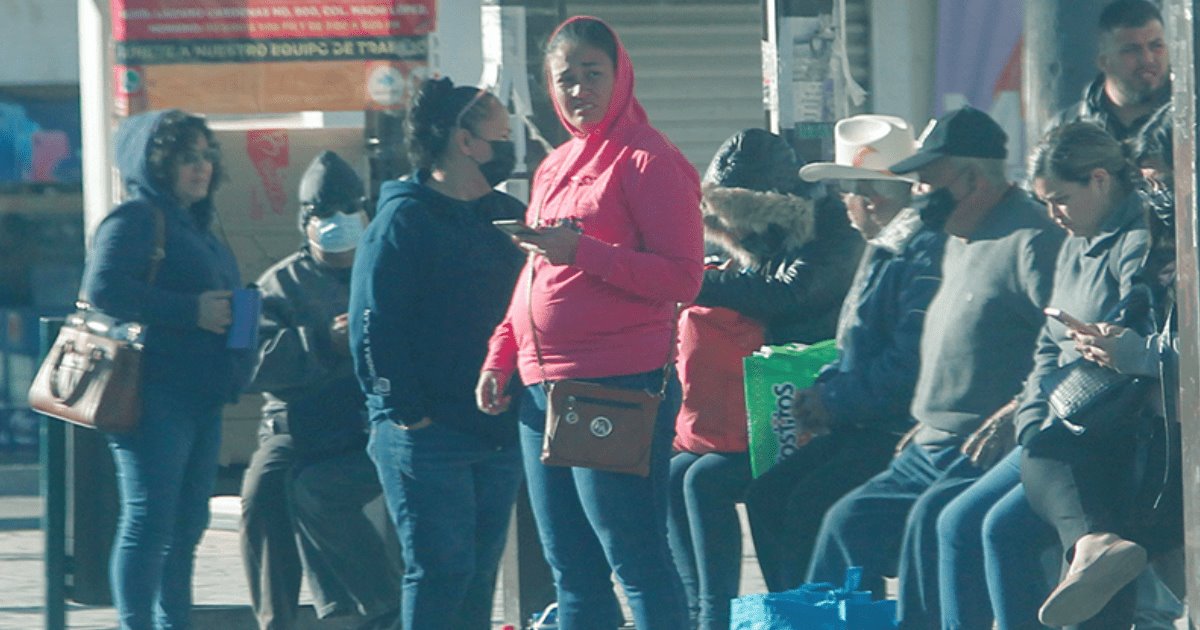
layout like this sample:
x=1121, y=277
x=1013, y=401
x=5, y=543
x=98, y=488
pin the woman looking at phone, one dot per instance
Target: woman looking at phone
x=617, y=208
x=1090, y=187
x=1086, y=486
x=430, y=282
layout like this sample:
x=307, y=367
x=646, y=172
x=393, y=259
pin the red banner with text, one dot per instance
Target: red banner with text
x=253, y=56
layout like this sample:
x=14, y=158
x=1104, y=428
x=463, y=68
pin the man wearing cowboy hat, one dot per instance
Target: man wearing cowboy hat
x=859, y=405
x=976, y=349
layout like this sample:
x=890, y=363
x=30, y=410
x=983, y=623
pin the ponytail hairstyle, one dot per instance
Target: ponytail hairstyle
x=436, y=110
x=1072, y=151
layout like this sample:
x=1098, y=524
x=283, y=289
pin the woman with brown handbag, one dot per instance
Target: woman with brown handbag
x=619, y=243
x=167, y=466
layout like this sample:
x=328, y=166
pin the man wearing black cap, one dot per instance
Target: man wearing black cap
x=976, y=348
x=305, y=488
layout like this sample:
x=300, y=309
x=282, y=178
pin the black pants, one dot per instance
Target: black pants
x=786, y=504
x=1109, y=482
x=311, y=521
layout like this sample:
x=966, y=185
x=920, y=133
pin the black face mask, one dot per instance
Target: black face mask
x=935, y=207
x=500, y=167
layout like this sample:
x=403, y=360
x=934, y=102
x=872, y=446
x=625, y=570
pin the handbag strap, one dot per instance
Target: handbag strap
x=537, y=346
x=156, y=255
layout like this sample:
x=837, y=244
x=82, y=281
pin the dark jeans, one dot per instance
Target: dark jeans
x=704, y=531
x=594, y=524
x=450, y=496
x=1108, y=482
x=889, y=526
x=166, y=470
x=312, y=521
x=787, y=503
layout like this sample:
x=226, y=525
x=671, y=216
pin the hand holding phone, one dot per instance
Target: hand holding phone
x=513, y=227
x=1070, y=321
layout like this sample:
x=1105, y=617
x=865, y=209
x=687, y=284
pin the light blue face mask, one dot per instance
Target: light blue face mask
x=338, y=233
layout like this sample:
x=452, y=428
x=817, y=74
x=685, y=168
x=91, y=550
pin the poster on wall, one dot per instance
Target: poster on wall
x=39, y=140
x=979, y=64
x=268, y=56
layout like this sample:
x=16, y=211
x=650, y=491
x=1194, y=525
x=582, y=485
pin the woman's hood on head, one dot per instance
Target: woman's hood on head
x=624, y=107
x=756, y=159
x=131, y=150
x=756, y=226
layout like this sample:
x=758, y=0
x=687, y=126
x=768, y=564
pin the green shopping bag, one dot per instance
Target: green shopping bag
x=774, y=375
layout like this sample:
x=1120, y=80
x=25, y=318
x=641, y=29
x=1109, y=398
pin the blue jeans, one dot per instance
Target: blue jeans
x=888, y=526
x=704, y=531
x=594, y=523
x=166, y=470
x=989, y=546
x=450, y=496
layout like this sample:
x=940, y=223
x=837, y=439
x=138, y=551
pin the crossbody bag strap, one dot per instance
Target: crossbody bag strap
x=537, y=346
x=160, y=244
x=156, y=255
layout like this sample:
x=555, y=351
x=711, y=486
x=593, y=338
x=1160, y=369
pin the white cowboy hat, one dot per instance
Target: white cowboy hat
x=864, y=147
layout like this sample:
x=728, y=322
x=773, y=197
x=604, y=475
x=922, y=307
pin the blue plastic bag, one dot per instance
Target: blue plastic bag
x=817, y=606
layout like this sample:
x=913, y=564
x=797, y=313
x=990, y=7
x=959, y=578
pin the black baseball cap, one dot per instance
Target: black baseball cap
x=965, y=132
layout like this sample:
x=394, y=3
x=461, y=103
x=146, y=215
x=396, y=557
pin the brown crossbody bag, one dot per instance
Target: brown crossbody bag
x=598, y=426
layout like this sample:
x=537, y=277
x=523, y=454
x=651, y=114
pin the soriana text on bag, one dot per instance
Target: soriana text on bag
x=774, y=376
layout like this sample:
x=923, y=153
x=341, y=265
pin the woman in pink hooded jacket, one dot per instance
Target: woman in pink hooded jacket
x=620, y=244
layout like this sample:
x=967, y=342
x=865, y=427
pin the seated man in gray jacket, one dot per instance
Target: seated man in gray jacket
x=306, y=486
x=976, y=349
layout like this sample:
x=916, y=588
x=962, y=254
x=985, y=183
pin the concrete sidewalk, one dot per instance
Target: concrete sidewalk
x=219, y=590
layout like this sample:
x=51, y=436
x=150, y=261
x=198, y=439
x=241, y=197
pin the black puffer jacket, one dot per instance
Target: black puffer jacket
x=794, y=257
x=1095, y=107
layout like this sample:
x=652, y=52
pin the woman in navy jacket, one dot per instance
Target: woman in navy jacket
x=431, y=280
x=167, y=466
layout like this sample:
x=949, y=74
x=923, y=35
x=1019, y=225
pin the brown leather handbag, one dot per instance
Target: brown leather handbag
x=92, y=375
x=599, y=426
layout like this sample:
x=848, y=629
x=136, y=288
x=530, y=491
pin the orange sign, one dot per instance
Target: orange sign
x=246, y=56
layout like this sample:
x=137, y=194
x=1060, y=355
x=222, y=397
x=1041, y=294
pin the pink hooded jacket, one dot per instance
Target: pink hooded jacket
x=637, y=200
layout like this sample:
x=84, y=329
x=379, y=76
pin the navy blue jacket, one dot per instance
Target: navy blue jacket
x=180, y=359
x=871, y=384
x=431, y=280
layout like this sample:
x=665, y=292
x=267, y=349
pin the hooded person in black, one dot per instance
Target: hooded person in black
x=304, y=491
x=793, y=249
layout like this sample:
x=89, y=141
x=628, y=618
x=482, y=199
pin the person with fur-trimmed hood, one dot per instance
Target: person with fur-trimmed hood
x=790, y=260
x=793, y=251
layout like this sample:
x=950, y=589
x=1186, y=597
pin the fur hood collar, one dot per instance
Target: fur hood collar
x=753, y=226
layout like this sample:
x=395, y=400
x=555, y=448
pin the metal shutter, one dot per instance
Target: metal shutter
x=698, y=67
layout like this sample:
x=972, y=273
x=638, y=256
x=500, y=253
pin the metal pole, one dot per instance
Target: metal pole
x=53, y=460
x=527, y=584
x=1059, y=58
x=1181, y=35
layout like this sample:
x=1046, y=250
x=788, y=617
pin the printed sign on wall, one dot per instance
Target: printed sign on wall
x=246, y=56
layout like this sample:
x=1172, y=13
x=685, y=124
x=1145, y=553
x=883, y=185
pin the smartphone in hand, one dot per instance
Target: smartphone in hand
x=1068, y=320
x=513, y=227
